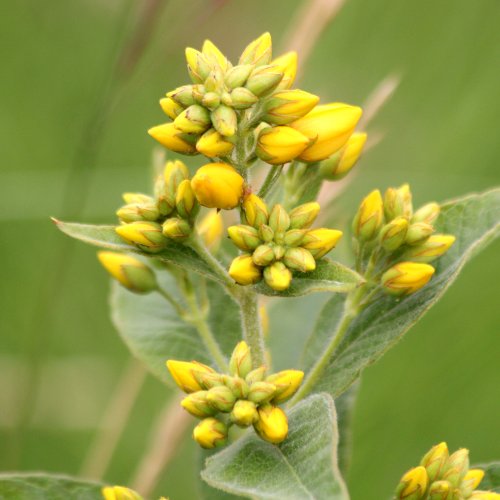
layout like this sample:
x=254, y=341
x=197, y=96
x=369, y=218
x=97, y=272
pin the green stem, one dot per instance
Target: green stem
x=270, y=180
x=178, y=308
x=252, y=328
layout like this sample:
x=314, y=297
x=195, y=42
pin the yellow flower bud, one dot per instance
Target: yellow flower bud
x=471, y=481
x=338, y=165
x=299, y=259
x=242, y=98
x=418, y=233
x=440, y=490
x=185, y=95
x=212, y=53
x=278, y=276
x=193, y=120
x=428, y=213
x=176, y=228
x=263, y=80
x=258, y=52
x=197, y=404
x=320, y=241
x=129, y=271
x=213, y=144
x=369, y=217
x=244, y=237
x=303, y=216
x=263, y=255
x=294, y=237
x=272, y=425
x=224, y=120
x=256, y=211
x=457, y=465
x=210, y=433
x=183, y=374
x=484, y=495
x=210, y=228
x=261, y=392
x=398, y=203
x=244, y=413
x=170, y=107
x=280, y=145
x=198, y=66
x=185, y=201
x=287, y=64
x=237, y=76
x=413, y=484
x=138, y=211
x=434, y=460
x=146, y=235
x=393, y=235
x=218, y=185
x=329, y=126
x=172, y=138
x=221, y=398
x=241, y=360
x=119, y=493
x=244, y=271
x=287, y=106
x=137, y=198
x=405, y=278
x=287, y=382
x=434, y=247
x=279, y=220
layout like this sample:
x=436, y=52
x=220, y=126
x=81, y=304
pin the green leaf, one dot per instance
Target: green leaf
x=39, y=486
x=206, y=492
x=303, y=467
x=491, y=480
x=474, y=220
x=154, y=332
x=329, y=276
x=106, y=237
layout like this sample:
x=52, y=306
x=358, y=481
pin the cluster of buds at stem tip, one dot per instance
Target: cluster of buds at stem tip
x=398, y=241
x=246, y=396
x=150, y=222
x=443, y=476
x=252, y=103
x=276, y=243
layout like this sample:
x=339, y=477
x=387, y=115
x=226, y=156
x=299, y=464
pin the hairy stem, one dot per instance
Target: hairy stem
x=270, y=180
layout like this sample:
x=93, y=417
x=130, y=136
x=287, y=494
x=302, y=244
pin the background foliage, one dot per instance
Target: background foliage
x=73, y=127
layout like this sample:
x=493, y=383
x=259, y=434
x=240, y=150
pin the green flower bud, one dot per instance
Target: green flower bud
x=287, y=106
x=397, y=202
x=263, y=80
x=241, y=360
x=183, y=95
x=197, y=404
x=244, y=237
x=278, y=276
x=299, y=259
x=434, y=460
x=137, y=198
x=266, y=233
x=244, y=413
x=145, y=235
x=198, y=66
x=287, y=382
x=303, y=216
x=166, y=186
x=185, y=200
x=263, y=255
x=279, y=220
x=237, y=385
x=224, y=120
x=193, y=120
x=279, y=252
x=320, y=241
x=261, y=392
x=210, y=433
x=440, y=490
x=256, y=375
x=413, y=485
x=207, y=380
x=393, y=235
x=242, y=98
x=221, y=398
x=294, y=237
x=176, y=229
x=428, y=213
x=255, y=210
x=238, y=75
x=418, y=232
x=258, y=52
x=211, y=100
x=138, y=211
x=226, y=99
x=456, y=467
x=471, y=481
x=368, y=220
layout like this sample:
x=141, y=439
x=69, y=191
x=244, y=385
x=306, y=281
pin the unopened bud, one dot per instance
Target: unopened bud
x=237, y=386
x=244, y=413
x=241, y=360
x=198, y=66
x=129, y=271
x=279, y=219
x=434, y=460
x=398, y=203
x=207, y=380
x=185, y=200
x=183, y=374
x=299, y=259
x=138, y=211
x=294, y=237
x=287, y=64
x=176, y=229
x=221, y=398
x=193, y=120
x=197, y=404
x=484, y=495
x=185, y=95
x=210, y=433
x=238, y=75
x=320, y=241
x=266, y=233
x=393, y=234
x=428, y=213
x=213, y=144
x=171, y=108
x=257, y=375
x=441, y=490
x=368, y=220
x=272, y=425
x=261, y=392
x=258, y=52
x=279, y=251
x=471, y=481
x=289, y=105
x=263, y=80
x=255, y=210
x=210, y=228
x=172, y=138
x=418, y=233
x=405, y=278
x=145, y=235
x=211, y=100
x=303, y=216
x=431, y=249
x=279, y=145
x=119, y=493
x=224, y=120
x=244, y=271
x=244, y=237
x=456, y=466
x=242, y=98
x=263, y=255
x=287, y=382
x=212, y=53
x=413, y=484
x=278, y=276
x=137, y=198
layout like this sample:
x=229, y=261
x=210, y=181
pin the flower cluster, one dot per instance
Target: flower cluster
x=388, y=230
x=276, y=242
x=441, y=476
x=244, y=397
x=253, y=101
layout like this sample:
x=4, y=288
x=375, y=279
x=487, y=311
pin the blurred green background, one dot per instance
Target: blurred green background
x=80, y=83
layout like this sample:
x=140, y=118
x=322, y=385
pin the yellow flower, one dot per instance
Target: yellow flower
x=406, y=277
x=213, y=144
x=272, y=425
x=329, y=126
x=218, y=185
x=287, y=382
x=210, y=433
x=244, y=271
x=183, y=374
x=172, y=138
x=280, y=145
x=287, y=106
x=320, y=241
x=414, y=482
x=338, y=165
x=471, y=480
x=244, y=413
x=129, y=271
x=278, y=276
x=369, y=217
x=287, y=64
x=170, y=107
x=484, y=495
x=119, y=493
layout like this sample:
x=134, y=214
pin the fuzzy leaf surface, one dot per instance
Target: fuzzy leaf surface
x=303, y=467
x=475, y=221
x=39, y=486
x=491, y=480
